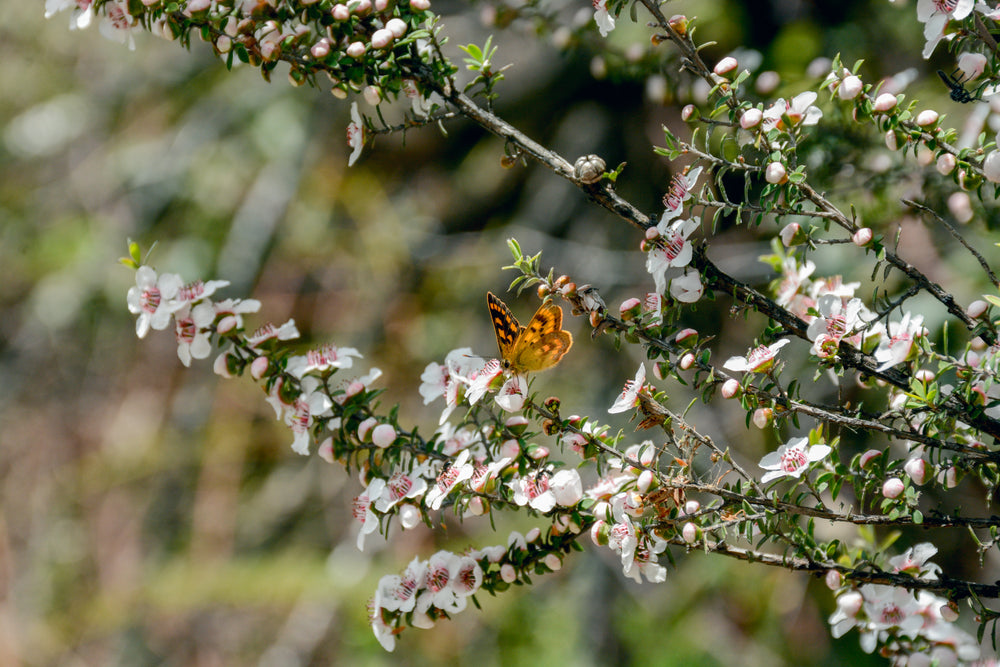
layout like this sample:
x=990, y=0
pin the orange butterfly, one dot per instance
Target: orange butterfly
x=540, y=345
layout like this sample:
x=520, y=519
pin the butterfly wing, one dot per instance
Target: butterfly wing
x=505, y=325
x=543, y=343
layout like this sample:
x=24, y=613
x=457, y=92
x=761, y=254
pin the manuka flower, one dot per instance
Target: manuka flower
x=791, y=459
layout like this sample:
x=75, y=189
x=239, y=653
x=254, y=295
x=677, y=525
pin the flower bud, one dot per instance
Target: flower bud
x=893, y=487
x=372, y=95
x=976, y=309
x=552, y=562
x=258, y=367
x=340, y=12
x=645, y=481
x=510, y=449
x=507, y=571
x=725, y=66
x=945, y=164
x=397, y=27
x=949, y=611
x=762, y=417
x=917, y=470
x=775, y=173
x=365, y=427
x=690, y=532
x=926, y=118
x=730, y=388
x=892, y=140
x=862, y=237
x=691, y=506
x=972, y=65
x=382, y=38
x=687, y=361
x=533, y=535
x=792, y=235
x=516, y=424
x=833, y=579
x=383, y=435
x=960, y=206
x=850, y=87
x=884, y=102
x=868, y=457
x=630, y=308
x=948, y=477
x=476, y=506
x=356, y=49
x=599, y=533
x=689, y=112
x=679, y=23
x=751, y=118
x=991, y=167
x=420, y=5
x=767, y=82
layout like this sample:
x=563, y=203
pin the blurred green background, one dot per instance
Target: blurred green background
x=155, y=515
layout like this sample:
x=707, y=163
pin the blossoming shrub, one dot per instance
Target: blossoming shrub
x=926, y=400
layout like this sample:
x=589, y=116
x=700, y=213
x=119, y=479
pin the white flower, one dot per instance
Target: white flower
x=362, y=509
x=758, y=360
x=687, y=287
x=798, y=111
x=896, y=348
x=681, y=186
x=454, y=473
x=192, y=332
x=629, y=398
x=935, y=14
x=605, y=22
x=153, y=299
x=324, y=358
x=791, y=459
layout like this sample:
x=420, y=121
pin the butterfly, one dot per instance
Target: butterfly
x=540, y=345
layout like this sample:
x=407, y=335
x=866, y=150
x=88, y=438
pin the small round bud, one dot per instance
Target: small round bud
x=762, y=417
x=893, y=488
x=767, y=82
x=372, y=95
x=833, y=579
x=596, y=318
x=383, y=435
x=792, y=235
x=977, y=308
x=420, y=5
x=945, y=164
x=972, y=65
x=918, y=472
x=725, y=66
x=510, y=449
x=775, y=173
x=589, y=169
x=850, y=87
x=652, y=233
x=960, y=205
x=730, y=388
x=991, y=167
x=340, y=12
x=679, y=23
x=516, y=424
x=751, y=118
x=691, y=506
x=396, y=26
x=365, y=427
x=892, y=140
x=552, y=562
x=862, y=237
x=630, y=308
x=644, y=481
x=884, y=102
x=690, y=533
x=949, y=611
x=507, y=571
x=926, y=118
x=533, y=535
x=686, y=362
x=258, y=367
x=382, y=38
x=356, y=49
x=689, y=112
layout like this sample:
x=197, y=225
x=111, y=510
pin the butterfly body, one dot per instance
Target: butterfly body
x=535, y=347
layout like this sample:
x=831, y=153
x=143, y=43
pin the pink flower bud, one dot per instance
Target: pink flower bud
x=383, y=435
x=862, y=237
x=397, y=27
x=325, y=450
x=537, y=453
x=691, y=506
x=690, y=532
x=833, y=579
x=510, y=449
x=868, y=457
x=599, y=533
x=850, y=87
x=893, y=487
x=925, y=375
x=372, y=95
x=340, y=12
x=762, y=417
x=258, y=367
x=689, y=112
x=991, y=167
x=476, y=506
x=791, y=234
x=687, y=361
x=726, y=65
x=767, y=82
x=850, y=603
x=687, y=337
x=730, y=388
x=775, y=173
x=507, y=571
x=926, y=117
x=420, y=5
x=916, y=470
x=356, y=49
x=365, y=427
x=884, y=102
x=221, y=366
x=976, y=309
x=751, y=118
x=945, y=164
x=960, y=206
x=552, y=562
x=891, y=140
x=533, y=535
x=516, y=424
x=948, y=477
x=949, y=611
x=652, y=233
x=630, y=308
x=382, y=38
x=320, y=48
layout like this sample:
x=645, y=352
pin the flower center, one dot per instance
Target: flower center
x=793, y=459
x=359, y=507
x=186, y=330
x=399, y=486
x=191, y=291
x=673, y=243
x=150, y=299
x=677, y=193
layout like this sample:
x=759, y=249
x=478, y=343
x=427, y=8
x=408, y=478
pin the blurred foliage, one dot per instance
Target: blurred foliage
x=156, y=515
